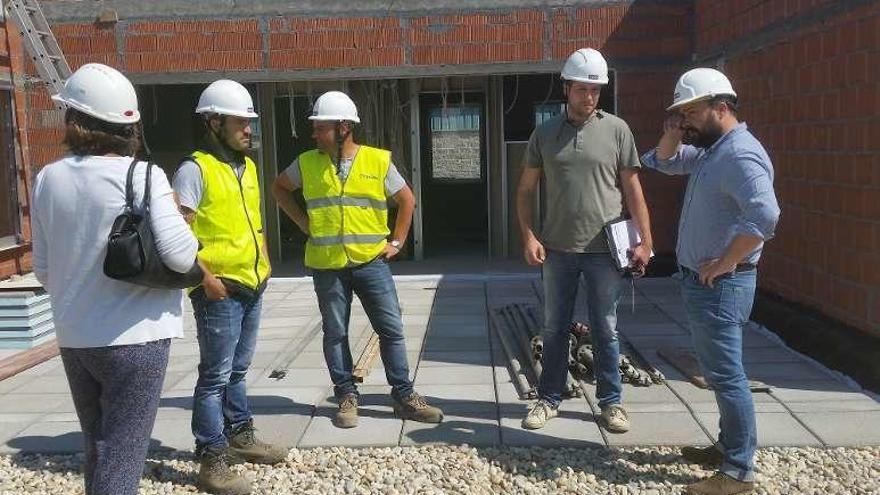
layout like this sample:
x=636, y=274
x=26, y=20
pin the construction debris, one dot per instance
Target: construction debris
x=519, y=331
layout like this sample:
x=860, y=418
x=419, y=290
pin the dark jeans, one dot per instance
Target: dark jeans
x=116, y=394
x=374, y=286
x=227, y=334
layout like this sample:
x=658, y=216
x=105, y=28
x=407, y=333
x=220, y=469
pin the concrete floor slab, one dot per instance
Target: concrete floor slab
x=464, y=375
x=473, y=430
x=660, y=428
x=569, y=429
x=373, y=430
x=774, y=429
x=844, y=429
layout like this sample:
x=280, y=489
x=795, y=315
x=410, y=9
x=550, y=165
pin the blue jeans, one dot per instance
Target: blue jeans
x=227, y=334
x=374, y=286
x=716, y=317
x=604, y=284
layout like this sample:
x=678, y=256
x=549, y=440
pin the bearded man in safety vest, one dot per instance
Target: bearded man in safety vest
x=346, y=187
x=219, y=195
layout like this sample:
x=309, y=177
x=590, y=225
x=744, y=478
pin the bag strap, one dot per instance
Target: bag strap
x=129, y=187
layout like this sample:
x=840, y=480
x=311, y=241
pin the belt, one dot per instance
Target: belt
x=740, y=267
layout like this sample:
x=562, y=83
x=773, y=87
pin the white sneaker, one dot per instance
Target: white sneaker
x=615, y=419
x=538, y=415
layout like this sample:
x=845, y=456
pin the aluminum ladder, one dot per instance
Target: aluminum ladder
x=40, y=42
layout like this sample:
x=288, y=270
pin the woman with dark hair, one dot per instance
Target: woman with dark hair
x=114, y=336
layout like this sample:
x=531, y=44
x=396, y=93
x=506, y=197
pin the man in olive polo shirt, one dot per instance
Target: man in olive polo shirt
x=589, y=163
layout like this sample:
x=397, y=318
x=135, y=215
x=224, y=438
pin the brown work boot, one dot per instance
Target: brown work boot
x=415, y=408
x=244, y=443
x=706, y=456
x=216, y=478
x=720, y=484
x=347, y=415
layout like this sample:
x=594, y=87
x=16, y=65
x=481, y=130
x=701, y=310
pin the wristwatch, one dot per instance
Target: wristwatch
x=395, y=244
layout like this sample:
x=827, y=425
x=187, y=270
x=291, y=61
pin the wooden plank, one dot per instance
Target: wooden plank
x=26, y=359
x=367, y=358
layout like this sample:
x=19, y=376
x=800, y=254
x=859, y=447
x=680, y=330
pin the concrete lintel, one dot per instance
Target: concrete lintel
x=402, y=72
x=187, y=9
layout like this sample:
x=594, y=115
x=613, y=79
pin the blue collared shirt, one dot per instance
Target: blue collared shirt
x=729, y=192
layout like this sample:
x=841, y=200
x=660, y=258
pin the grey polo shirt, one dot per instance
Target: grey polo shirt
x=581, y=167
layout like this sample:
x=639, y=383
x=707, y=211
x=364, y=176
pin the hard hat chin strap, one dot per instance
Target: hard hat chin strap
x=340, y=141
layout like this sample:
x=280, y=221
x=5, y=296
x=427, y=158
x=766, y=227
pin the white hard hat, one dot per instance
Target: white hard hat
x=334, y=105
x=226, y=97
x=102, y=92
x=698, y=84
x=587, y=66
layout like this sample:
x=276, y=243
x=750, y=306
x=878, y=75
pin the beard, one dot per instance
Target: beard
x=703, y=138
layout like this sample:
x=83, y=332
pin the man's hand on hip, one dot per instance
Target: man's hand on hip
x=713, y=269
x=214, y=288
x=390, y=251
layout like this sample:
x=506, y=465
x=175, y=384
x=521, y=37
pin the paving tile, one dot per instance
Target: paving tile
x=14, y=382
x=572, y=428
x=691, y=393
x=760, y=407
x=281, y=429
x=32, y=403
x=815, y=391
x=774, y=429
x=46, y=384
x=768, y=372
x=460, y=398
x=844, y=429
x=458, y=375
x=660, y=428
x=757, y=355
x=373, y=430
x=629, y=329
x=55, y=438
x=455, y=358
x=457, y=330
x=9, y=429
x=289, y=398
x=305, y=377
x=173, y=433
x=853, y=405
x=655, y=394
x=310, y=360
x=437, y=344
x=473, y=430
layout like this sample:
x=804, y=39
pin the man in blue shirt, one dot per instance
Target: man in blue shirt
x=729, y=211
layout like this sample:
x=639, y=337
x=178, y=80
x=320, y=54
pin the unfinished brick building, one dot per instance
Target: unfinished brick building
x=455, y=87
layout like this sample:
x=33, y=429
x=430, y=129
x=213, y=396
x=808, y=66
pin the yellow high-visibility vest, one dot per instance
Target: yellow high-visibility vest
x=348, y=223
x=228, y=222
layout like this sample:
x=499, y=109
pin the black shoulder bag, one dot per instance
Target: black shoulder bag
x=131, y=250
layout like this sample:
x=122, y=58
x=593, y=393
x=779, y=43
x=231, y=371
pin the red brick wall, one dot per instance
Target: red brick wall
x=623, y=32
x=17, y=260
x=813, y=98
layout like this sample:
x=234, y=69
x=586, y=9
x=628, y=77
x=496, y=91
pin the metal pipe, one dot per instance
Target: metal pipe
x=519, y=380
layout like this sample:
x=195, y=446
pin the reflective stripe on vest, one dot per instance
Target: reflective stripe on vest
x=348, y=222
x=228, y=222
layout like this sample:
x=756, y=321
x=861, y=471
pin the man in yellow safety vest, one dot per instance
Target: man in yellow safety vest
x=219, y=195
x=346, y=187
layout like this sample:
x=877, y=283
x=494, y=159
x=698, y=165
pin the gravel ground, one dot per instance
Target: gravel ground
x=452, y=469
